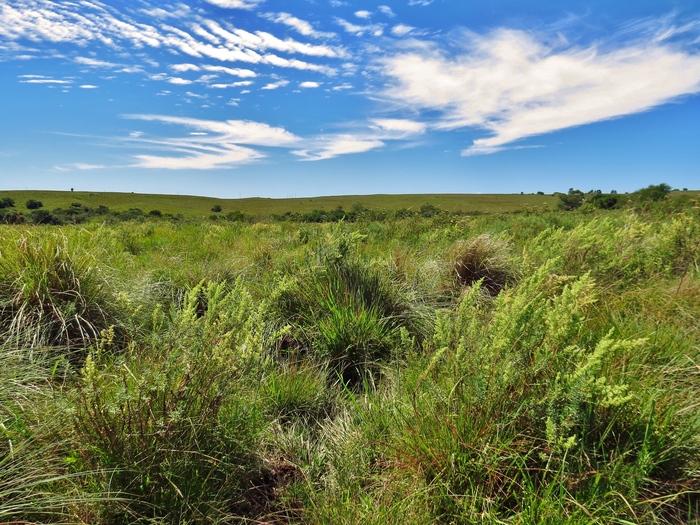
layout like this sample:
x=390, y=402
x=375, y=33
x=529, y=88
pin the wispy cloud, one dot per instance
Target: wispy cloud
x=309, y=84
x=235, y=4
x=401, y=30
x=301, y=26
x=93, y=62
x=275, y=85
x=87, y=23
x=336, y=145
x=367, y=137
x=357, y=30
x=515, y=85
x=214, y=144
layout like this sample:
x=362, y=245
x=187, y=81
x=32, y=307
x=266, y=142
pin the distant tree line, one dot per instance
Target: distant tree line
x=644, y=197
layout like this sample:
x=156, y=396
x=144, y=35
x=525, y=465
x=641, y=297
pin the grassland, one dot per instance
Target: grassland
x=521, y=368
x=201, y=206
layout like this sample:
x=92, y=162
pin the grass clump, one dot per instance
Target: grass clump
x=351, y=317
x=484, y=259
x=52, y=293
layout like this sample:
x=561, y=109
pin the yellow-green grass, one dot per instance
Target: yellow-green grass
x=193, y=206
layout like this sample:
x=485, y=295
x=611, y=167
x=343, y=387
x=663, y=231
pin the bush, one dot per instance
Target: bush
x=216, y=208
x=7, y=202
x=34, y=204
x=574, y=199
x=172, y=423
x=653, y=193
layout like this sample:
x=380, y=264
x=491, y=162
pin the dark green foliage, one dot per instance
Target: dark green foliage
x=216, y=208
x=237, y=216
x=653, y=193
x=33, y=204
x=428, y=210
x=155, y=213
x=604, y=202
x=572, y=200
x=350, y=316
x=7, y=202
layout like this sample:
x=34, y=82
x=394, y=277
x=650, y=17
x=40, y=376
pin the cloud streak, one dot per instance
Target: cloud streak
x=212, y=145
x=514, y=85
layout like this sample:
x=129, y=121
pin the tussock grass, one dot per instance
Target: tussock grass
x=52, y=293
x=276, y=373
x=484, y=259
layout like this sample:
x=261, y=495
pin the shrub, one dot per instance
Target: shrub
x=172, y=423
x=574, y=199
x=33, y=204
x=216, y=208
x=7, y=202
x=653, y=193
x=155, y=213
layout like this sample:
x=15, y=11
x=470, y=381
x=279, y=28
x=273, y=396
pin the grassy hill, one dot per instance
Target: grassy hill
x=192, y=206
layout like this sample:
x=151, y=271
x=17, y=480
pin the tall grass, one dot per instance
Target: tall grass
x=53, y=293
x=350, y=373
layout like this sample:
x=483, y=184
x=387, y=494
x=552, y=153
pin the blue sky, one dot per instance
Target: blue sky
x=282, y=98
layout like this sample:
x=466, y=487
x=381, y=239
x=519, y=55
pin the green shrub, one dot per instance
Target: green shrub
x=33, y=204
x=172, y=423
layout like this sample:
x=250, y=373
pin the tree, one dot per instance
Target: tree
x=34, y=204
x=653, y=192
x=571, y=200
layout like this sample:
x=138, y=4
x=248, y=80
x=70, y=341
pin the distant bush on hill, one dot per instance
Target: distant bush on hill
x=7, y=202
x=33, y=204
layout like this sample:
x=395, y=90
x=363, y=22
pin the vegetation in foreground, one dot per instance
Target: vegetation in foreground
x=539, y=367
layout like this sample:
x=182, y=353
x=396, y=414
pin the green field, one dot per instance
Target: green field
x=500, y=368
x=201, y=206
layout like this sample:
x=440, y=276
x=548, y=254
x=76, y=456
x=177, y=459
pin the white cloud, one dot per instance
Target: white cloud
x=87, y=86
x=45, y=81
x=87, y=23
x=374, y=29
x=363, y=14
x=242, y=83
x=401, y=30
x=92, y=62
x=179, y=81
x=309, y=84
x=301, y=26
x=338, y=145
x=403, y=126
x=235, y=4
x=386, y=10
x=182, y=68
x=513, y=85
x=422, y=3
x=237, y=72
x=212, y=145
x=275, y=85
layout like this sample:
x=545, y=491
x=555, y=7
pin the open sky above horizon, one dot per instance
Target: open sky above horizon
x=280, y=98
